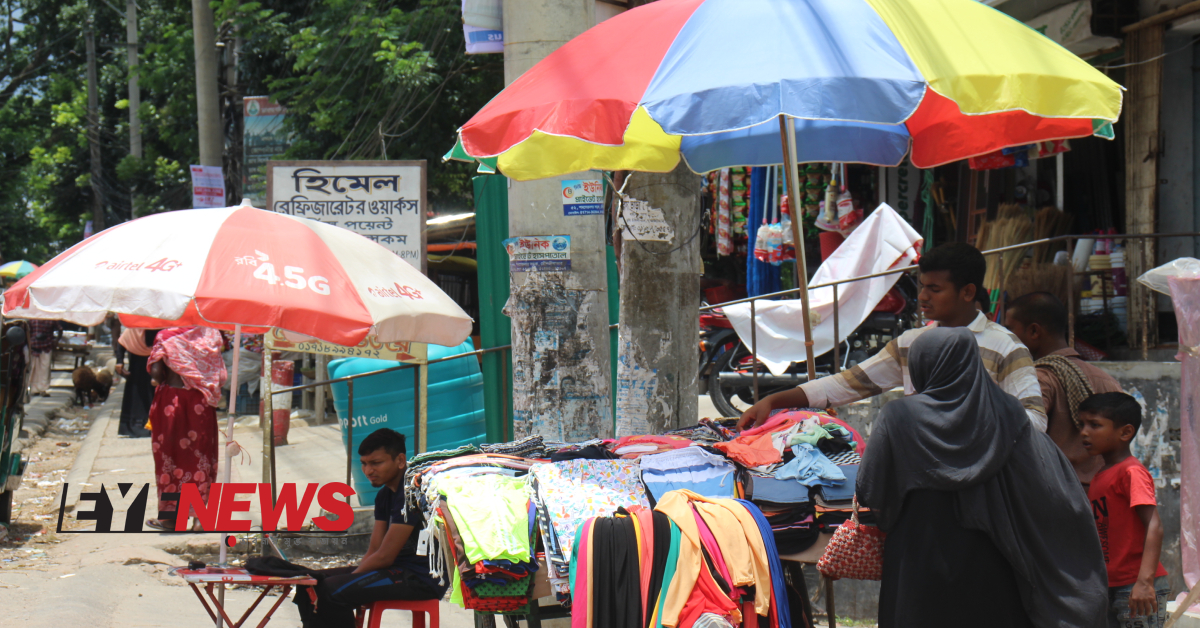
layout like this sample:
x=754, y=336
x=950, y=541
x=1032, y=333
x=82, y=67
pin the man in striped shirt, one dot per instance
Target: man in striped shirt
x=951, y=284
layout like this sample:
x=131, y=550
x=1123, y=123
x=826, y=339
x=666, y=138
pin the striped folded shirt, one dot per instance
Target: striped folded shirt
x=1004, y=358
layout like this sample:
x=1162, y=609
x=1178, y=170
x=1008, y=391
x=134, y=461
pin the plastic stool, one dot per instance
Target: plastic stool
x=419, y=608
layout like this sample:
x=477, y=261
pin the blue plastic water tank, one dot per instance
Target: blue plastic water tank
x=455, y=404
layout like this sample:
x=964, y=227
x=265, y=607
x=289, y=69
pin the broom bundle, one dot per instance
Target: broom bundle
x=1049, y=222
x=1040, y=278
x=1011, y=226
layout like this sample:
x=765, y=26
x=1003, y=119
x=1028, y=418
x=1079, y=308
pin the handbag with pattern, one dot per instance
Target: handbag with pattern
x=854, y=552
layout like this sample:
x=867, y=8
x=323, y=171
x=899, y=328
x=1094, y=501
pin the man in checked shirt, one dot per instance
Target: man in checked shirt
x=951, y=283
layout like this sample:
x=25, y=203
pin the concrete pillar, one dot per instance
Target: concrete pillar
x=208, y=99
x=660, y=297
x=561, y=357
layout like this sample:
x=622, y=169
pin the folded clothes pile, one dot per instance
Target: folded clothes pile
x=485, y=526
x=533, y=447
x=565, y=493
x=690, y=468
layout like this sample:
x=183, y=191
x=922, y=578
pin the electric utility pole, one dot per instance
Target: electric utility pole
x=135, y=95
x=208, y=98
x=660, y=304
x=93, y=133
x=561, y=356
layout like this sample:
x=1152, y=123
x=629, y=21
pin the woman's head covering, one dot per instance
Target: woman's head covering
x=194, y=353
x=961, y=433
x=134, y=341
x=956, y=431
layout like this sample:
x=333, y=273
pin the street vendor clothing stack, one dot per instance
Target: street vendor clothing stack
x=692, y=561
x=1005, y=359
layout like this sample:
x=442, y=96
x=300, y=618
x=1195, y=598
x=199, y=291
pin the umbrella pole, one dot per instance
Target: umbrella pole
x=233, y=391
x=787, y=129
x=225, y=471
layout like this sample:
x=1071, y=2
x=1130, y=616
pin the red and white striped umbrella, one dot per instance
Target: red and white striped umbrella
x=241, y=266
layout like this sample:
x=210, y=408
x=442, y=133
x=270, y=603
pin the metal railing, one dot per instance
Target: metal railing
x=350, y=379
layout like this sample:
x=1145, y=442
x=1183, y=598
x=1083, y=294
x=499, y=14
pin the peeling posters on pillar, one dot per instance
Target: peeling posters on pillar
x=556, y=388
x=636, y=388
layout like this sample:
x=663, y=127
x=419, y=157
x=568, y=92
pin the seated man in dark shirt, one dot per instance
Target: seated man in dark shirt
x=391, y=568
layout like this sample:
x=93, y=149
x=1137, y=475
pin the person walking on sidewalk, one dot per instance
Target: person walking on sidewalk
x=43, y=335
x=187, y=371
x=951, y=284
x=1039, y=320
x=135, y=344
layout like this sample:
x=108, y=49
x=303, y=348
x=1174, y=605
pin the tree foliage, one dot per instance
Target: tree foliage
x=360, y=79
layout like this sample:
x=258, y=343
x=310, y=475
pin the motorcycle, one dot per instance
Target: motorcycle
x=727, y=367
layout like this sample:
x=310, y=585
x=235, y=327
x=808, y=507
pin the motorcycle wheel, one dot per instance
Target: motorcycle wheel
x=732, y=401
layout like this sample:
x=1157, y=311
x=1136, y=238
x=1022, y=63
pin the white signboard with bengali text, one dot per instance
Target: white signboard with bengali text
x=383, y=201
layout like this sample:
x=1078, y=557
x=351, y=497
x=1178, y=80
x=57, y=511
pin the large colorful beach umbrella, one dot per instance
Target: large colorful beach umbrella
x=866, y=81
x=719, y=83
x=17, y=269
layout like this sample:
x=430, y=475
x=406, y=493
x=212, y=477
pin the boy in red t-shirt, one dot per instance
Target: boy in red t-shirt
x=1122, y=496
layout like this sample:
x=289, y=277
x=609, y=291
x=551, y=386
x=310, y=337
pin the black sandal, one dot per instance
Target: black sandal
x=162, y=525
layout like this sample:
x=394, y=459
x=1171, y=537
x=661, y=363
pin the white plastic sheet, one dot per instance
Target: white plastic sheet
x=1181, y=280
x=882, y=242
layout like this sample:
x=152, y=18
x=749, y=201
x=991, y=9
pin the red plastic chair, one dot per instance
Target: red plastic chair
x=419, y=608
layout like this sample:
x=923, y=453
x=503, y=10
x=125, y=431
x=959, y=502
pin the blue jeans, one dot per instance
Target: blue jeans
x=1118, y=607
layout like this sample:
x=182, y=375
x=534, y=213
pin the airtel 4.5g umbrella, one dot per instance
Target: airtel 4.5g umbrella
x=241, y=268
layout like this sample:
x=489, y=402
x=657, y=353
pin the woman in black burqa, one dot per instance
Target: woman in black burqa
x=986, y=522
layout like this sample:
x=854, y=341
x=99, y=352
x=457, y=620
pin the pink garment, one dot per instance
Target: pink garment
x=643, y=518
x=194, y=353
x=661, y=443
x=714, y=550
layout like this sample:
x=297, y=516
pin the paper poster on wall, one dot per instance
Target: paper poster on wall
x=208, y=187
x=539, y=253
x=640, y=221
x=582, y=197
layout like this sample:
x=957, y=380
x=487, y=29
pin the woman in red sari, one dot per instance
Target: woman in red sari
x=187, y=369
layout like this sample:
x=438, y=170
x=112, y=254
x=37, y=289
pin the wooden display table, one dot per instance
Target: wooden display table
x=211, y=576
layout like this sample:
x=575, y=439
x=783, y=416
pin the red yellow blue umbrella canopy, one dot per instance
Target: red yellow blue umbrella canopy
x=866, y=81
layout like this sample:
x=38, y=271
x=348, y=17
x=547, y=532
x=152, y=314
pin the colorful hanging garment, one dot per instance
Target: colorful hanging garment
x=724, y=216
